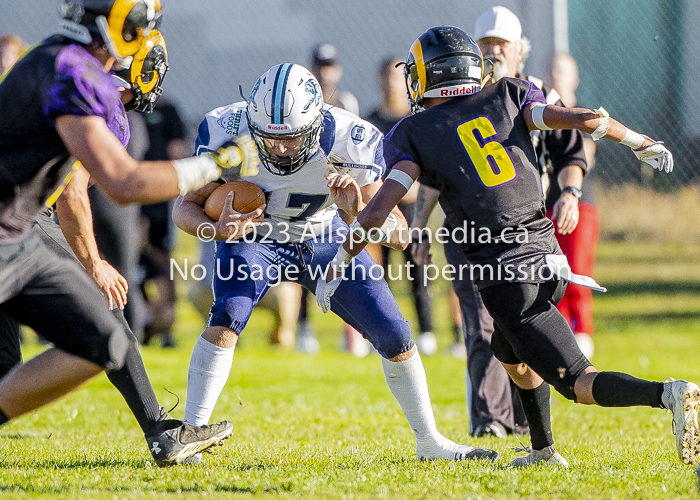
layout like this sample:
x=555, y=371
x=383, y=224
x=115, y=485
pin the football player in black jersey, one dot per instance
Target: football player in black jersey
x=474, y=145
x=59, y=104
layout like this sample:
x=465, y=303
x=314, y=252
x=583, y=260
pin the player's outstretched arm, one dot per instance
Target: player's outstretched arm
x=599, y=124
x=127, y=181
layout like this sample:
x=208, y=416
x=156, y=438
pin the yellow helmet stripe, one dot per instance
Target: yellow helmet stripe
x=420, y=66
x=117, y=16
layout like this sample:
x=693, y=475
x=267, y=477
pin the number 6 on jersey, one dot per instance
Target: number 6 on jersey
x=490, y=158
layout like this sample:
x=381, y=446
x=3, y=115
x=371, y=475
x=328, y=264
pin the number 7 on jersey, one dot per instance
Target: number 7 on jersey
x=490, y=158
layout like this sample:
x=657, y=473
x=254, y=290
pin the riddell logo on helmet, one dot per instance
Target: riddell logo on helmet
x=460, y=91
x=273, y=126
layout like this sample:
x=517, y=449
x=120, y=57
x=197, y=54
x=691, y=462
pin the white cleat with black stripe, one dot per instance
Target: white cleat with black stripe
x=682, y=398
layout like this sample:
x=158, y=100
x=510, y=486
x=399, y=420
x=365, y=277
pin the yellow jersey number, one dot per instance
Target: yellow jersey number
x=502, y=170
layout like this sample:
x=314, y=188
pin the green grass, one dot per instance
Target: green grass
x=326, y=426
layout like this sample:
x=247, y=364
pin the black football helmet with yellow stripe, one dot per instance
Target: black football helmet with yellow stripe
x=119, y=25
x=145, y=75
x=443, y=62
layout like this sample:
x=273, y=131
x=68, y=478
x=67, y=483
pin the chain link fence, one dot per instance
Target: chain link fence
x=637, y=58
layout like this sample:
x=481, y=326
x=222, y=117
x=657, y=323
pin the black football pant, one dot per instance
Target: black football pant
x=493, y=394
x=131, y=379
x=528, y=328
x=55, y=297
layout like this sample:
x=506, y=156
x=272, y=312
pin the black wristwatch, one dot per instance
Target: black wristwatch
x=573, y=190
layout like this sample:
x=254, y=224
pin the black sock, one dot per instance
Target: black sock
x=3, y=418
x=536, y=407
x=616, y=389
x=132, y=382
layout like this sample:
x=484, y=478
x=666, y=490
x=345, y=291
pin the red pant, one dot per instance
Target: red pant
x=579, y=247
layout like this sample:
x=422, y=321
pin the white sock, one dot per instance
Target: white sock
x=209, y=368
x=408, y=383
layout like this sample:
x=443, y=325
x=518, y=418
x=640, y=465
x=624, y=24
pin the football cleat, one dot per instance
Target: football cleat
x=443, y=448
x=494, y=429
x=546, y=456
x=173, y=441
x=682, y=398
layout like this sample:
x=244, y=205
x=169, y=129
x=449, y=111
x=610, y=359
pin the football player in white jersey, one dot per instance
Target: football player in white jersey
x=321, y=166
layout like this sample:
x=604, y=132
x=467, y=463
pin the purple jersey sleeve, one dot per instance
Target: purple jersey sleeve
x=81, y=87
x=534, y=94
x=393, y=155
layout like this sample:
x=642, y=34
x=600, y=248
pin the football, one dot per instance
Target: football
x=246, y=198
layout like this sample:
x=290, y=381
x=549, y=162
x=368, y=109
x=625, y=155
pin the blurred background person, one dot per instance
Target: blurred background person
x=394, y=107
x=579, y=246
x=11, y=47
x=328, y=72
x=565, y=78
x=167, y=140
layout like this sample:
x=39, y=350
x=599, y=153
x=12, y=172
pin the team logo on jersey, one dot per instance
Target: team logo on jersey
x=314, y=92
x=231, y=123
x=357, y=134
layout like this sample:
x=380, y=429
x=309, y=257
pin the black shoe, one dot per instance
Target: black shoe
x=494, y=429
x=172, y=441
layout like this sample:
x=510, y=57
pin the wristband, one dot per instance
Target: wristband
x=195, y=172
x=603, y=124
x=538, y=116
x=632, y=139
x=401, y=177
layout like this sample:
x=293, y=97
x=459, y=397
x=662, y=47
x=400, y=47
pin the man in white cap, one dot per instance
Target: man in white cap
x=494, y=406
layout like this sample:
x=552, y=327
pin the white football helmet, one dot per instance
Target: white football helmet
x=284, y=117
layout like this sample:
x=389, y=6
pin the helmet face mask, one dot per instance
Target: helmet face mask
x=442, y=62
x=146, y=74
x=285, y=117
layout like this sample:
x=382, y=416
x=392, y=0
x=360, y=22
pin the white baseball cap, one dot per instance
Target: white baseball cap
x=498, y=22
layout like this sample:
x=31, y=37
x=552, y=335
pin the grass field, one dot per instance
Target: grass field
x=326, y=426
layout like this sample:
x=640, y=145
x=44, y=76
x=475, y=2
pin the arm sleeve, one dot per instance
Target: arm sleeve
x=80, y=87
x=358, y=150
x=532, y=94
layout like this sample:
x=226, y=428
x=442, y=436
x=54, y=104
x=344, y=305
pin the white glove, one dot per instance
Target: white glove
x=324, y=292
x=657, y=156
